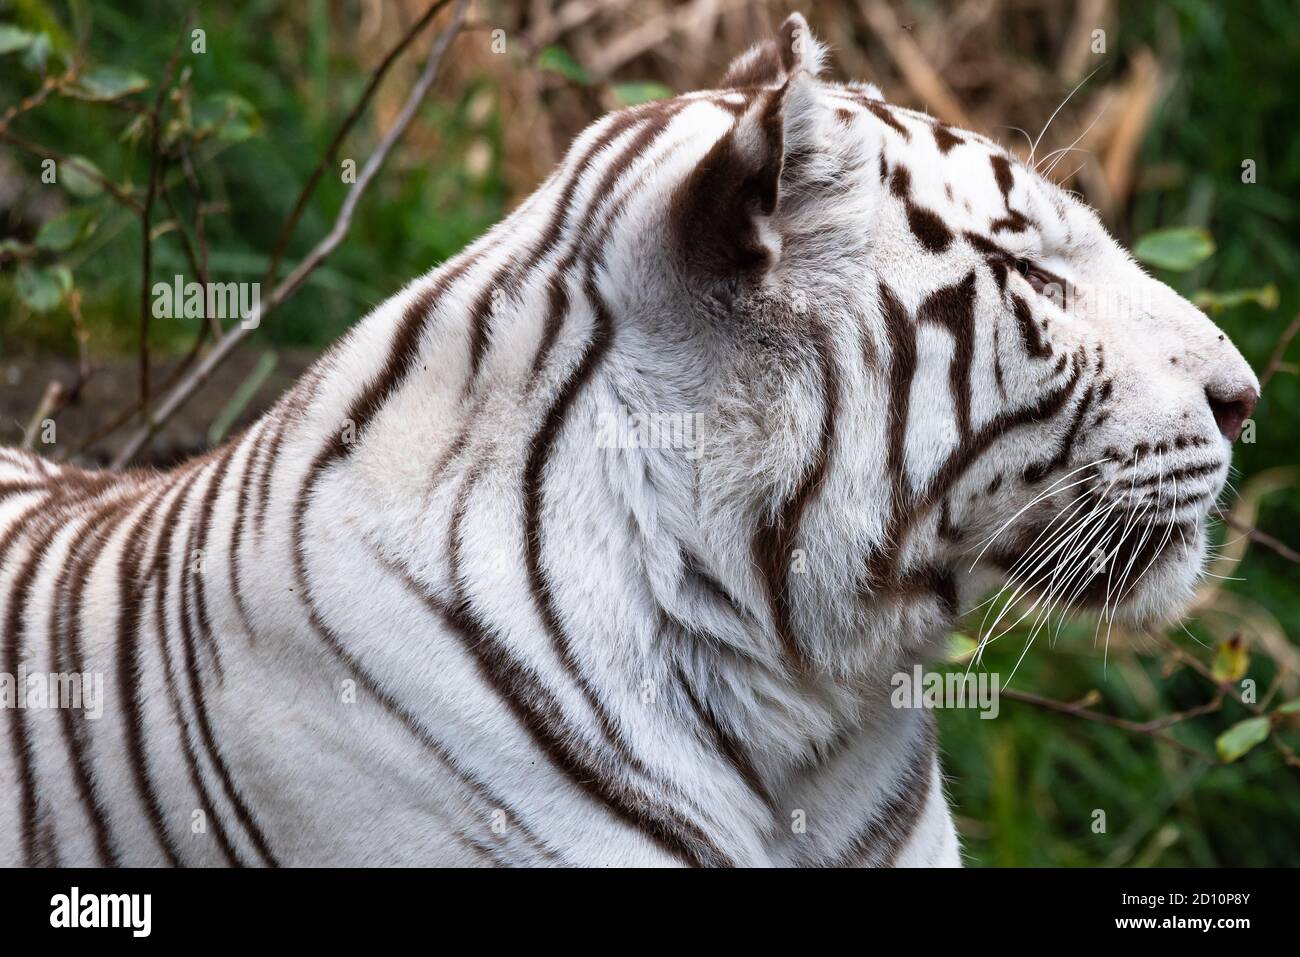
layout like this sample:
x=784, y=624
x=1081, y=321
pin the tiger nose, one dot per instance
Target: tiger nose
x=1231, y=409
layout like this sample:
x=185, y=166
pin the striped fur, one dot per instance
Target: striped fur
x=417, y=614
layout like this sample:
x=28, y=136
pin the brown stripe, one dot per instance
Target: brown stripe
x=1029, y=335
x=557, y=306
x=997, y=363
x=883, y=838
x=401, y=356
x=1049, y=405
x=502, y=283
x=1037, y=471
x=694, y=567
x=728, y=745
x=882, y=113
x=367, y=681
x=19, y=740
x=68, y=593
x=906, y=511
x=550, y=236
x=198, y=542
x=294, y=405
x=543, y=718
x=774, y=540
x=534, y=477
x=902, y=369
x=10, y=489
x=953, y=307
x=207, y=739
x=131, y=585
x=512, y=272
x=245, y=483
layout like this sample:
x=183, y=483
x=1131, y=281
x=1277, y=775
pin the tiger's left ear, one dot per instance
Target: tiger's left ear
x=722, y=207
x=773, y=61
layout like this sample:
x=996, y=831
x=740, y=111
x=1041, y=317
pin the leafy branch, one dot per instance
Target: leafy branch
x=168, y=126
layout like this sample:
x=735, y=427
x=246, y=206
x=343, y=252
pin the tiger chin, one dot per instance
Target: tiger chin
x=599, y=544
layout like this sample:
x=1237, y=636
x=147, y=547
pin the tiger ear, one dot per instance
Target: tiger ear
x=776, y=59
x=722, y=207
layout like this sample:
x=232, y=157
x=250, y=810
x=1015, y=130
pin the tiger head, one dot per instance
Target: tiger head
x=926, y=366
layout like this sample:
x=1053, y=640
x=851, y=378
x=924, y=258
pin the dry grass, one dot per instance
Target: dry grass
x=1001, y=67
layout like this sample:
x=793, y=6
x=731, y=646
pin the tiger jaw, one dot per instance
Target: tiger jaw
x=1110, y=548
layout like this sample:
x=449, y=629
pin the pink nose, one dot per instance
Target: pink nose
x=1231, y=410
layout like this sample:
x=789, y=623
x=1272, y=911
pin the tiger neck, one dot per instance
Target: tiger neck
x=640, y=564
x=793, y=678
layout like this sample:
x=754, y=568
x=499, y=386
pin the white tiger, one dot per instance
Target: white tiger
x=426, y=612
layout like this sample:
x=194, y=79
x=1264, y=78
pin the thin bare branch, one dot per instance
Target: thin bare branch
x=1263, y=538
x=26, y=105
x=44, y=152
x=331, y=151
x=51, y=399
x=146, y=212
x=1154, y=728
x=1279, y=351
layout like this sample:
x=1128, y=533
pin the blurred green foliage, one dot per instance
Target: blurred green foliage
x=269, y=67
x=274, y=82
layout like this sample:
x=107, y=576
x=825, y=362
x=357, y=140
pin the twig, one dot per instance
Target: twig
x=1265, y=539
x=82, y=335
x=44, y=152
x=191, y=383
x=200, y=231
x=50, y=400
x=331, y=151
x=50, y=84
x=146, y=213
x=124, y=415
x=57, y=396
x=1154, y=728
x=186, y=245
x=1275, y=360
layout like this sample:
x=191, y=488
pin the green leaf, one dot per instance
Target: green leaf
x=12, y=38
x=1265, y=297
x=1178, y=249
x=561, y=61
x=1240, y=738
x=631, y=94
x=15, y=248
x=75, y=177
x=37, y=52
x=111, y=83
x=42, y=288
x=1231, y=660
x=960, y=647
x=1291, y=707
x=65, y=230
x=228, y=117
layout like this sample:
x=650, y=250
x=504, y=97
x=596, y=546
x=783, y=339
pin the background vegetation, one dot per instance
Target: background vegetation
x=1170, y=104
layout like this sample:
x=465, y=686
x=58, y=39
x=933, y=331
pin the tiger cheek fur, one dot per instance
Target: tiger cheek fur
x=600, y=543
